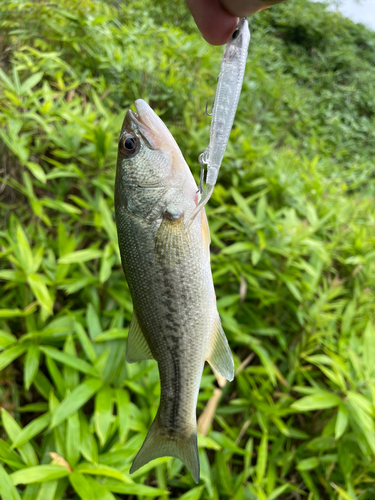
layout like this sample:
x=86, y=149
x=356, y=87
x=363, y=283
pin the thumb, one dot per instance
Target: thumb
x=213, y=21
x=244, y=8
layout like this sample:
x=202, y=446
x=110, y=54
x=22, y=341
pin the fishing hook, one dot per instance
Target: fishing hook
x=201, y=180
x=201, y=177
x=207, y=113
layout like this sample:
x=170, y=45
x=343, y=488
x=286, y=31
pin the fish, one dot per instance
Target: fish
x=227, y=95
x=166, y=262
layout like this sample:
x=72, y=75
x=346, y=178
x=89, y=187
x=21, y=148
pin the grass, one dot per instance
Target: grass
x=293, y=232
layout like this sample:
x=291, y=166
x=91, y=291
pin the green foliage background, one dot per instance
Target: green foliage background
x=293, y=232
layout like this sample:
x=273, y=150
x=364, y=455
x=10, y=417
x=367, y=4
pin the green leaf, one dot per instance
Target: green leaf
x=123, y=412
x=7, y=81
x=15, y=276
x=73, y=439
x=115, y=457
x=82, y=486
x=236, y=248
x=109, y=223
x=56, y=376
x=6, y=339
x=102, y=470
x=33, y=407
x=89, y=448
x=226, y=443
x=262, y=459
x=106, y=264
x=47, y=491
x=23, y=250
x=207, y=442
x=31, y=365
x=308, y=463
x=294, y=290
x=39, y=474
x=369, y=348
x=7, y=488
x=31, y=82
x=32, y=429
x=37, y=171
x=69, y=360
x=81, y=256
x=11, y=313
x=93, y=322
x=9, y=456
x=42, y=385
x=319, y=401
x=76, y=399
x=342, y=421
x=193, y=494
x=112, y=334
x=71, y=375
x=343, y=494
x=242, y=203
x=134, y=489
x=60, y=206
x=41, y=292
x=10, y=355
x=16, y=144
x=16, y=80
x=85, y=341
x=103, y=413
x=278, y=492
x=360, y=401
x=101, y=491
x=348, y=316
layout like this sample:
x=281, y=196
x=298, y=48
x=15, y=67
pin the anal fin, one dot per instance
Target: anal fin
x=137, y=347
x=220, y=356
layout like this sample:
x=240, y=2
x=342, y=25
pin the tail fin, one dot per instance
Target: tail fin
x=158, y=444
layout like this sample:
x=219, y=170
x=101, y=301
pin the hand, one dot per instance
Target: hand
x=216, y=19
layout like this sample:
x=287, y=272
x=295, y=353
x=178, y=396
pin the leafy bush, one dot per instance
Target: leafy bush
x=293, y=232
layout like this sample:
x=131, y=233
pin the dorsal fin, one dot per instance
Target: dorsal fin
x=137, y=347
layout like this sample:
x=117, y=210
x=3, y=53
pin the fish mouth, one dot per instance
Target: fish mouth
x=152, y=128
x=145, y=123
x=133, y=123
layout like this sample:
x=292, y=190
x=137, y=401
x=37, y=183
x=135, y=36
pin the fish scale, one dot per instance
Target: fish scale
x=167, y=267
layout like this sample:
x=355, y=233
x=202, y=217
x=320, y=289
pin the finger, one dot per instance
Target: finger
x=244, y=8
x=213, y=21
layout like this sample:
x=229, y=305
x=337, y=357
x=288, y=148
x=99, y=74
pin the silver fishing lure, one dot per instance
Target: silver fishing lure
x=224, y=109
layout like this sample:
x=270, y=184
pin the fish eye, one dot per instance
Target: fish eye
x=235, y=34
x=129, y=145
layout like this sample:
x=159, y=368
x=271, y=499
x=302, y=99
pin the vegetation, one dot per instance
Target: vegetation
x=293, y=232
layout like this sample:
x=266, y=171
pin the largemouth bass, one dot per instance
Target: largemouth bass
x=167, y=266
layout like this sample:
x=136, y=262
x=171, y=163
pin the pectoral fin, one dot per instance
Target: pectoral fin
x=137, y=347
x=172, y=240
x=220, y=357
